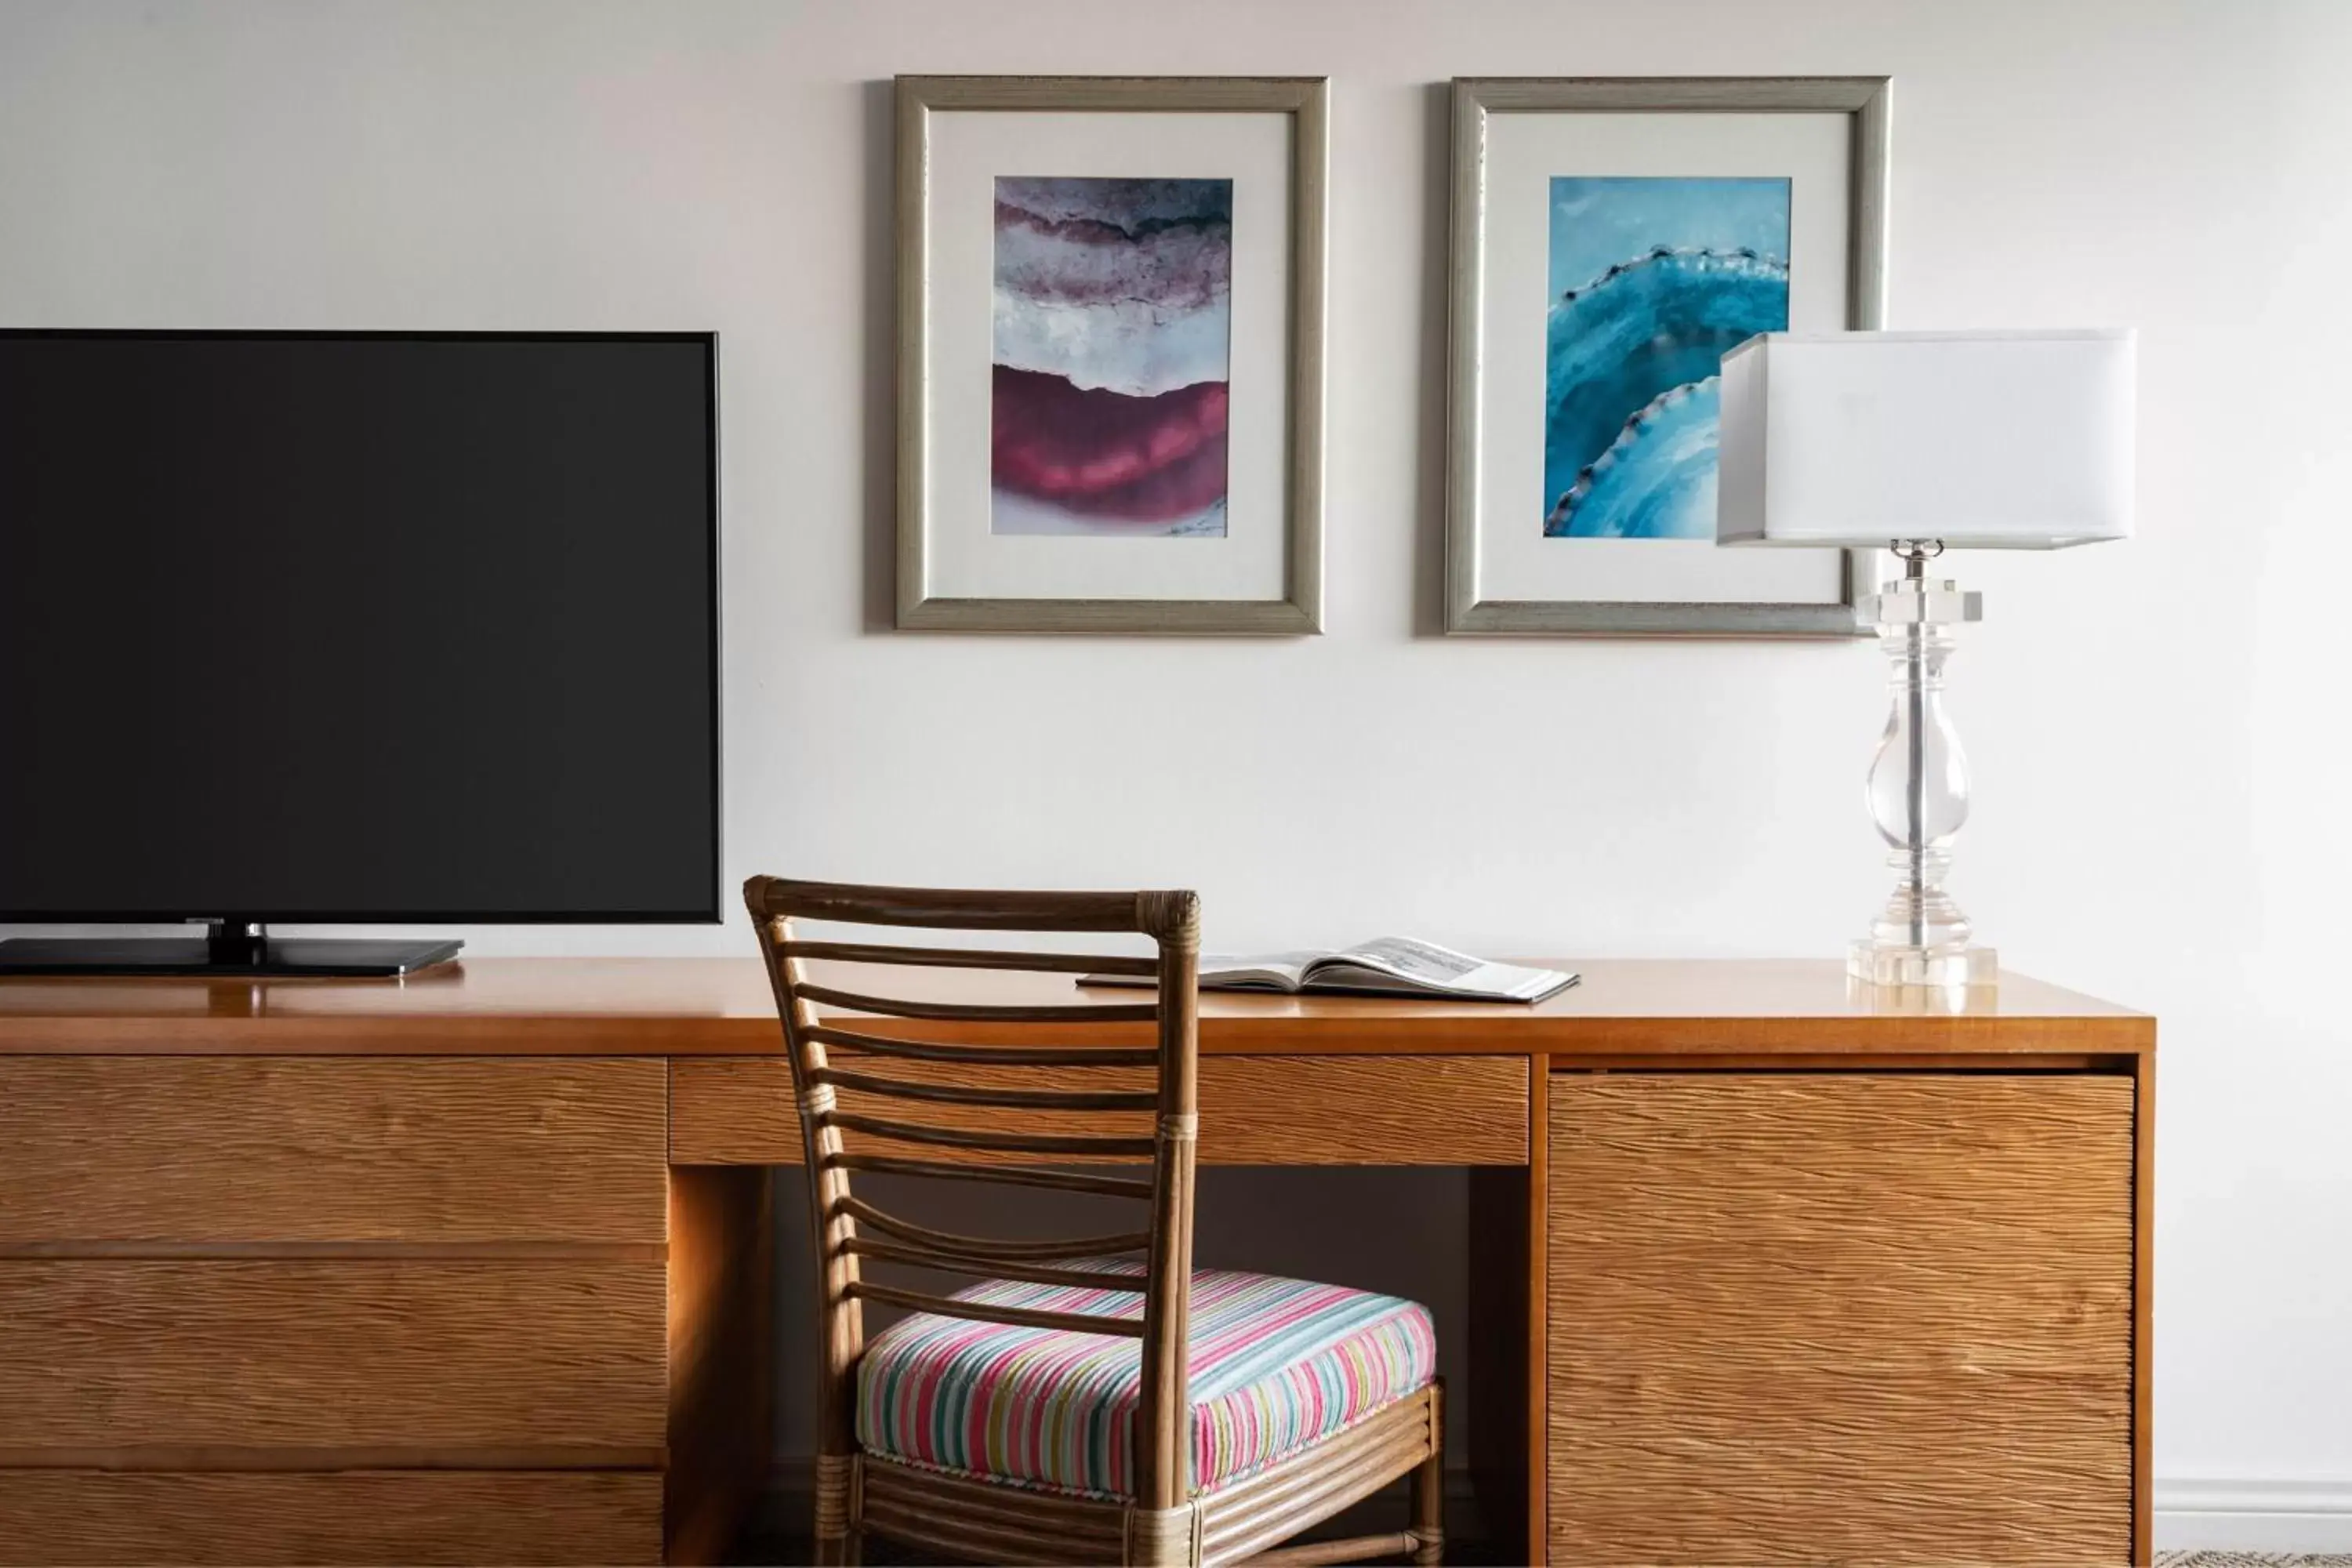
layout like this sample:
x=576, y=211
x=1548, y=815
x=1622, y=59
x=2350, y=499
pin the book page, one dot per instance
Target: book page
x=1274, y=971
x=1409, y=963
x=1423, y=962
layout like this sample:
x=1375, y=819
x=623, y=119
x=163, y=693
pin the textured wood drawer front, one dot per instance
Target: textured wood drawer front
x=1298, y=1111
x=195, y=1148
x=1840, y=1317
x=66, y=1518
x=345, y=1353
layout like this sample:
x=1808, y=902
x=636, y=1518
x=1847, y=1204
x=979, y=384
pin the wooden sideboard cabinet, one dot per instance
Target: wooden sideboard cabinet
x=475, y=1267
x=350, y=1272
x=1854, y=1317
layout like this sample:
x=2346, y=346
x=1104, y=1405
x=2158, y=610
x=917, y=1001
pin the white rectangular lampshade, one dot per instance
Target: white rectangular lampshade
x=1985, y=440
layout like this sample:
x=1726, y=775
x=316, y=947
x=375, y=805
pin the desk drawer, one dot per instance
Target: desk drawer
x=65, y=1518
x=217, y=1148
x=1850, y=1317
x=179, y=1361
x=1254, y=1111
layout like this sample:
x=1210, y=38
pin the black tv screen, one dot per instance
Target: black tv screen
x=358, y=626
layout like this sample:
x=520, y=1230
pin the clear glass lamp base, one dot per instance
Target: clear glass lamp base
x=1918, y=790
x=1954, y=963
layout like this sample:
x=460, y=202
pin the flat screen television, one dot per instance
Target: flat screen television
x=398, y=628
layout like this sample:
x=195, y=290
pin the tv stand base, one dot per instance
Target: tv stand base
x=230, y=950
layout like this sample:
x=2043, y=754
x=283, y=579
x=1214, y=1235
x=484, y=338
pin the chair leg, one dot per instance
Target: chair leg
x=846, y=1550
x=1163, y=1537
x=1429, y=1489
x=839, y=1544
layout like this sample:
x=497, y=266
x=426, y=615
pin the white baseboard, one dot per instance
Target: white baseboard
x=2253, y=1515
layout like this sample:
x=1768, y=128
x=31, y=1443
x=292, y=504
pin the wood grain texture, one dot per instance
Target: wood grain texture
x=166, y=1458
x=1793, y=1007
x=719, y=1006
x=1254, y=1111
x=65, y=1519
x=379, y=1251
x=722, y=1357
x=2144, y=1311
x=1852, y=1317
x=380, y=1354
x=195, y=1148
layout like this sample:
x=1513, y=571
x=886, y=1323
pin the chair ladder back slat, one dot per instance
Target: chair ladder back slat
x=995, y=1268
x=949, y=909
x=988, y=1056
x=1003, y=1175
x=976, y=958
x=1006, y=1098
x=993, y=1247
x=992, y=1313
x=975, y=1011
x=1076, y=1146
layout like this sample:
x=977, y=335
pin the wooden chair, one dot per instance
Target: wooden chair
x=1068, y=1363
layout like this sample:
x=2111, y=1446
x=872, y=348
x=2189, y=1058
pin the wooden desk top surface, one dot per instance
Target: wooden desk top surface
x=641, y=1006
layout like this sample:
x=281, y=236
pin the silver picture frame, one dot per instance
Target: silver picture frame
x=1865, y=100
x=1298, y=609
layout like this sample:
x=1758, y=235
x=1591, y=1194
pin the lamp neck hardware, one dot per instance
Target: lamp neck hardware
x=1915, y=554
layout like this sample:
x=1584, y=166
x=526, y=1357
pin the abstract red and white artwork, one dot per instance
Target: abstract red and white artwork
x=1112, y=332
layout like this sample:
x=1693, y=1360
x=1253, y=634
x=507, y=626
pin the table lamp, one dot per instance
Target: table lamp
x=1919, y=442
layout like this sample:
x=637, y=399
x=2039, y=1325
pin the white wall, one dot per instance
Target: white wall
x=2155, y=726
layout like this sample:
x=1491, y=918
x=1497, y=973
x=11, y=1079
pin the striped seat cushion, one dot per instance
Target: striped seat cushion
x=1276, y=1366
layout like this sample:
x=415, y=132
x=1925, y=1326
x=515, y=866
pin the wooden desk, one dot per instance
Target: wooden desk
x=331, y=1272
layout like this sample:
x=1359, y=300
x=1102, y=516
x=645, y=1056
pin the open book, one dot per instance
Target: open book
x=1386, y=967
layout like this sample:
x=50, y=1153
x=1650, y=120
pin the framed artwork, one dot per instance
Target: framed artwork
x=1611, y=239
x=1110, y=354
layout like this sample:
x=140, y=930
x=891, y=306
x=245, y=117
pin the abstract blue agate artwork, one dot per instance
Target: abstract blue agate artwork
x=1653, y=280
